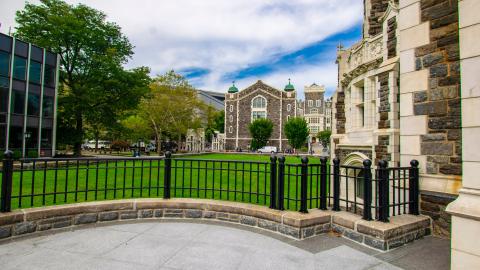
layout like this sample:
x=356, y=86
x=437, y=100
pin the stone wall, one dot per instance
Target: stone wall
x=441, y=102
x=340, y=112
x=434, y=205
x=399, y=231
x=377, y=9
x=381, y=149
x=392, y=37
x=384, y=106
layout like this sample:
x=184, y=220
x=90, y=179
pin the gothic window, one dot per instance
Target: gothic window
x=231, y=118
x=288, y=117
x=312, y=111
x=231, y=108
x=259, y=108
x=289, y=107
x=230, y=129
x=259, y=103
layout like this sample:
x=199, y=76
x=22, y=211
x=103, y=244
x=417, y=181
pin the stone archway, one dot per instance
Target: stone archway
x=352, y=180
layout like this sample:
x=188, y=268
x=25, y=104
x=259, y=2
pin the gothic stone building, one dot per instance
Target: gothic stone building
x=263, y=101
x=257, y=101
x=398, y=97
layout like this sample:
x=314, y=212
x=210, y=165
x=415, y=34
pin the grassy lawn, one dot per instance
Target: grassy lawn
x=233, y=177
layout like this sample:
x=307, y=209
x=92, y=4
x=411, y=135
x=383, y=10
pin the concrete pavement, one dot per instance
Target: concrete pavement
x=206, y=245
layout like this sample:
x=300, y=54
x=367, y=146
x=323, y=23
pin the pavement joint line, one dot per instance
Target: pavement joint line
x=181, y=248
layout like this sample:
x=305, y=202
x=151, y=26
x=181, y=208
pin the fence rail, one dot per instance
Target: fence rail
x=371, y=192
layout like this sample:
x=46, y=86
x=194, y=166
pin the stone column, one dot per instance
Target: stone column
x=465, y=209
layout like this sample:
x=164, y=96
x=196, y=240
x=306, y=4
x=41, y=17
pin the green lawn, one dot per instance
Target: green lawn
x=234, y=177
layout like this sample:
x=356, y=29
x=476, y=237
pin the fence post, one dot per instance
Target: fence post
x=383, y=193
x=323, y=183
x=303, y=185
x=273, y=181
x=7, y=175
x=281, y=182
x=336, y=184
x=413, y=188
x=167, y=175
x=367, y=189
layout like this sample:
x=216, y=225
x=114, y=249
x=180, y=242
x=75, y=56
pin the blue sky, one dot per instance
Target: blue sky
x=213, y=42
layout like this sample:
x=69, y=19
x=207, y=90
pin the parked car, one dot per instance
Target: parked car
x=267, y=149
x=101, y=144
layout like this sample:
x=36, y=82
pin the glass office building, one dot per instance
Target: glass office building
x=28, y=98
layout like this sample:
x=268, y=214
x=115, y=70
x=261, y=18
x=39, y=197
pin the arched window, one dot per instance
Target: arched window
x=259, y=108
x=314, y=111
x=231, y=108
x=259, y=103
x=230, y=129
x=289, y=107
x=231, y=118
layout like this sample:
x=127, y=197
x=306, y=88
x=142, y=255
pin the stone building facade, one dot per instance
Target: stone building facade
x=263, y=101
x=365, y=106
x=258, y=101
x=314, y=108
x=195, y=140
x=398, y=97
x=430, y=115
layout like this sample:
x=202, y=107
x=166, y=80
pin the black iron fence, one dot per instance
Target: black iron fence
x=371, y=192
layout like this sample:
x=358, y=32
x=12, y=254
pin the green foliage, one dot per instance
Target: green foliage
x=260, y=130
x=215, y=122
x=324, y=137
x=95, y=90
x=135, y=128
x=32, y=154
x=171, y=107
x=296, y=130
x=17, y=154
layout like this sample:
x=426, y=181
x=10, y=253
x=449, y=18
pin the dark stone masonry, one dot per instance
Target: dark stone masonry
x=340, y=114
x=384, y=106
x=433, y=205
x=441, y=104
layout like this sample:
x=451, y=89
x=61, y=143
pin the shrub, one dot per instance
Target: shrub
x=260, y=130
x=296, y=130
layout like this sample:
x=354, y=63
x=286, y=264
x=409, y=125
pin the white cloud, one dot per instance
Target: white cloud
x=223, y=36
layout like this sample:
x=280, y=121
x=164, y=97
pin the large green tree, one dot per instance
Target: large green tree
x=296, y=130
x=260, y=130
x=94, y=87
x=324, y=137
x=172, y=107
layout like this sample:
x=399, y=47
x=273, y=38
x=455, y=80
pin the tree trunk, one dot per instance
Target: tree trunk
x=77, y=147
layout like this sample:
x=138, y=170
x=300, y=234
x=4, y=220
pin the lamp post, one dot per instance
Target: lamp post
x=27, y=136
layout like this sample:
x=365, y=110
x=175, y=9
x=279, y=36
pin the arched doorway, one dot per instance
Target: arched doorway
x=352, y=182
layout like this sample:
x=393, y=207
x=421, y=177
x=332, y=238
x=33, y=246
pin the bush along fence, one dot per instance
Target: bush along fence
x=375, y=193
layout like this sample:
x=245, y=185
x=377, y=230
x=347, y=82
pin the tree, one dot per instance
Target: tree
x=171, y=107
x=136, y=128
x=260, y=130
x=324, y=137
x=215, y=122
x=92, y=52
x=296, y=130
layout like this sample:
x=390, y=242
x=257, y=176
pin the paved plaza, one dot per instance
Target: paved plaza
x=205, y=245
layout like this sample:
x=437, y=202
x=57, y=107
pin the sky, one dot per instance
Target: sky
x=215, y=42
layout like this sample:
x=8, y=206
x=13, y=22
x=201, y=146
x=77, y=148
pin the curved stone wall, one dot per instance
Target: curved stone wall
x=400, y=230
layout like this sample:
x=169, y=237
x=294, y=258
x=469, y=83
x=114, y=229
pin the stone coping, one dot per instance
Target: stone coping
x=400, y=230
